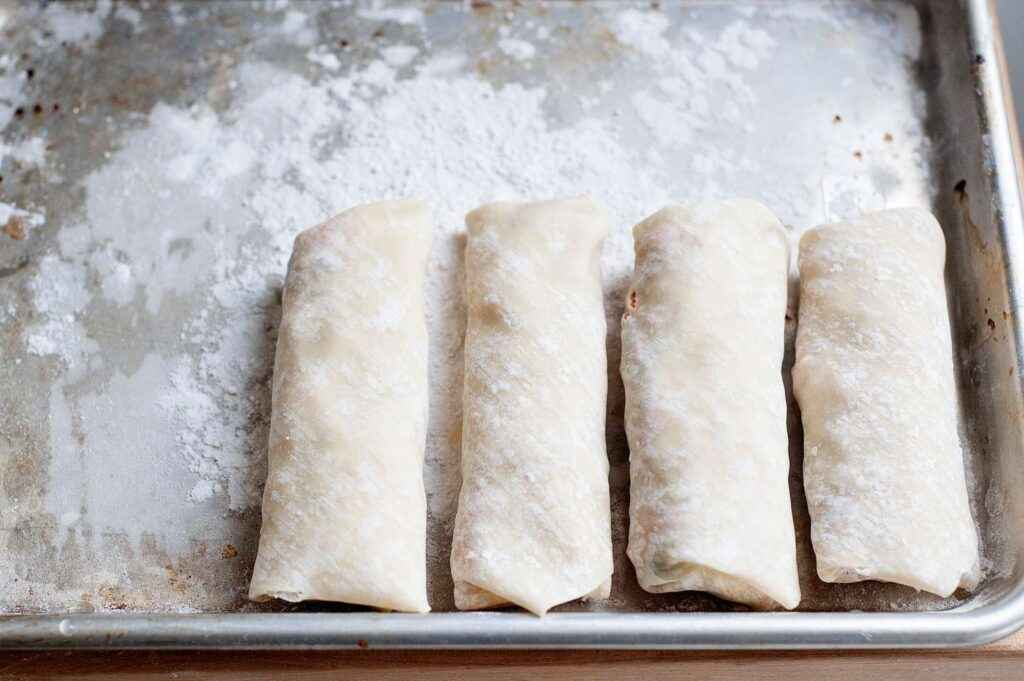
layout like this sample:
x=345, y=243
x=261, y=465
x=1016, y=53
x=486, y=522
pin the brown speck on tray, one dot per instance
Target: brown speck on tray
x=112, y=598
x=481, y=5
x=30, y=73
x=483, y=66
x=991, y=324
x=837, y=119
x=858, y=154
x=229, y=552
x=19, y=112
x=379, y=33
x=15, y=228
x=960, y=189
x=977, y=63
x=56, y=107
x=343, y=43
x=887, y=137
x=37, y=109
x=363, y=643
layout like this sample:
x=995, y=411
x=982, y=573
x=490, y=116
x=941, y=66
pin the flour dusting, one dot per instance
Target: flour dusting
x=378, y=11
x=517, y=49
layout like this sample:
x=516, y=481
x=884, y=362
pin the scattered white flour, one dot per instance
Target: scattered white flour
x=118, y=471
x=845, y=195
x=816, y=12
x=7, y=312
x=251, y=184
x=59, y=296
x=74, y=23
x=59, y=289
x=199, y=152
x=177, y=12
x=400, y=14
x=292, y=22
x=116, y=280
x=130, y=14
x=375, y=77
x=29, y=152
x=903, y=33
x=642, y=30
x=295, y=26
x=12, y=82
x=443, y=63
x=326, y=59
x=745, y=46
x=517, y=49
x=78, y=24
x=203, y=490
x=399, y=55
x=28, y=218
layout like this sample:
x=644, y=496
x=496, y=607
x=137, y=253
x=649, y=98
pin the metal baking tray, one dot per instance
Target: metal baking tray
x=145, y=220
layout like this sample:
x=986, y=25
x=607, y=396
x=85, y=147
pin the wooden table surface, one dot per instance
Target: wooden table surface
x=1003, y=660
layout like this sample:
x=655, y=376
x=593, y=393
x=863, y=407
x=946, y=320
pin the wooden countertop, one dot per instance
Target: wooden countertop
x=1003, y=660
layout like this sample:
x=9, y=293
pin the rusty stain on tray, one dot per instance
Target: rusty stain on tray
x=15, y=228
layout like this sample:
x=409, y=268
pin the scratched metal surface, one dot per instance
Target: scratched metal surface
x=60, y=550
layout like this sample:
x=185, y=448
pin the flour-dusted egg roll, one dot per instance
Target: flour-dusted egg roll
x=533, y=525
x=702, y=342
x=344, y=513
x=883, y=466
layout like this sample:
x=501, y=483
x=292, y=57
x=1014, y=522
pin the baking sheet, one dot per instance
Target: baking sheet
x=158, y=158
